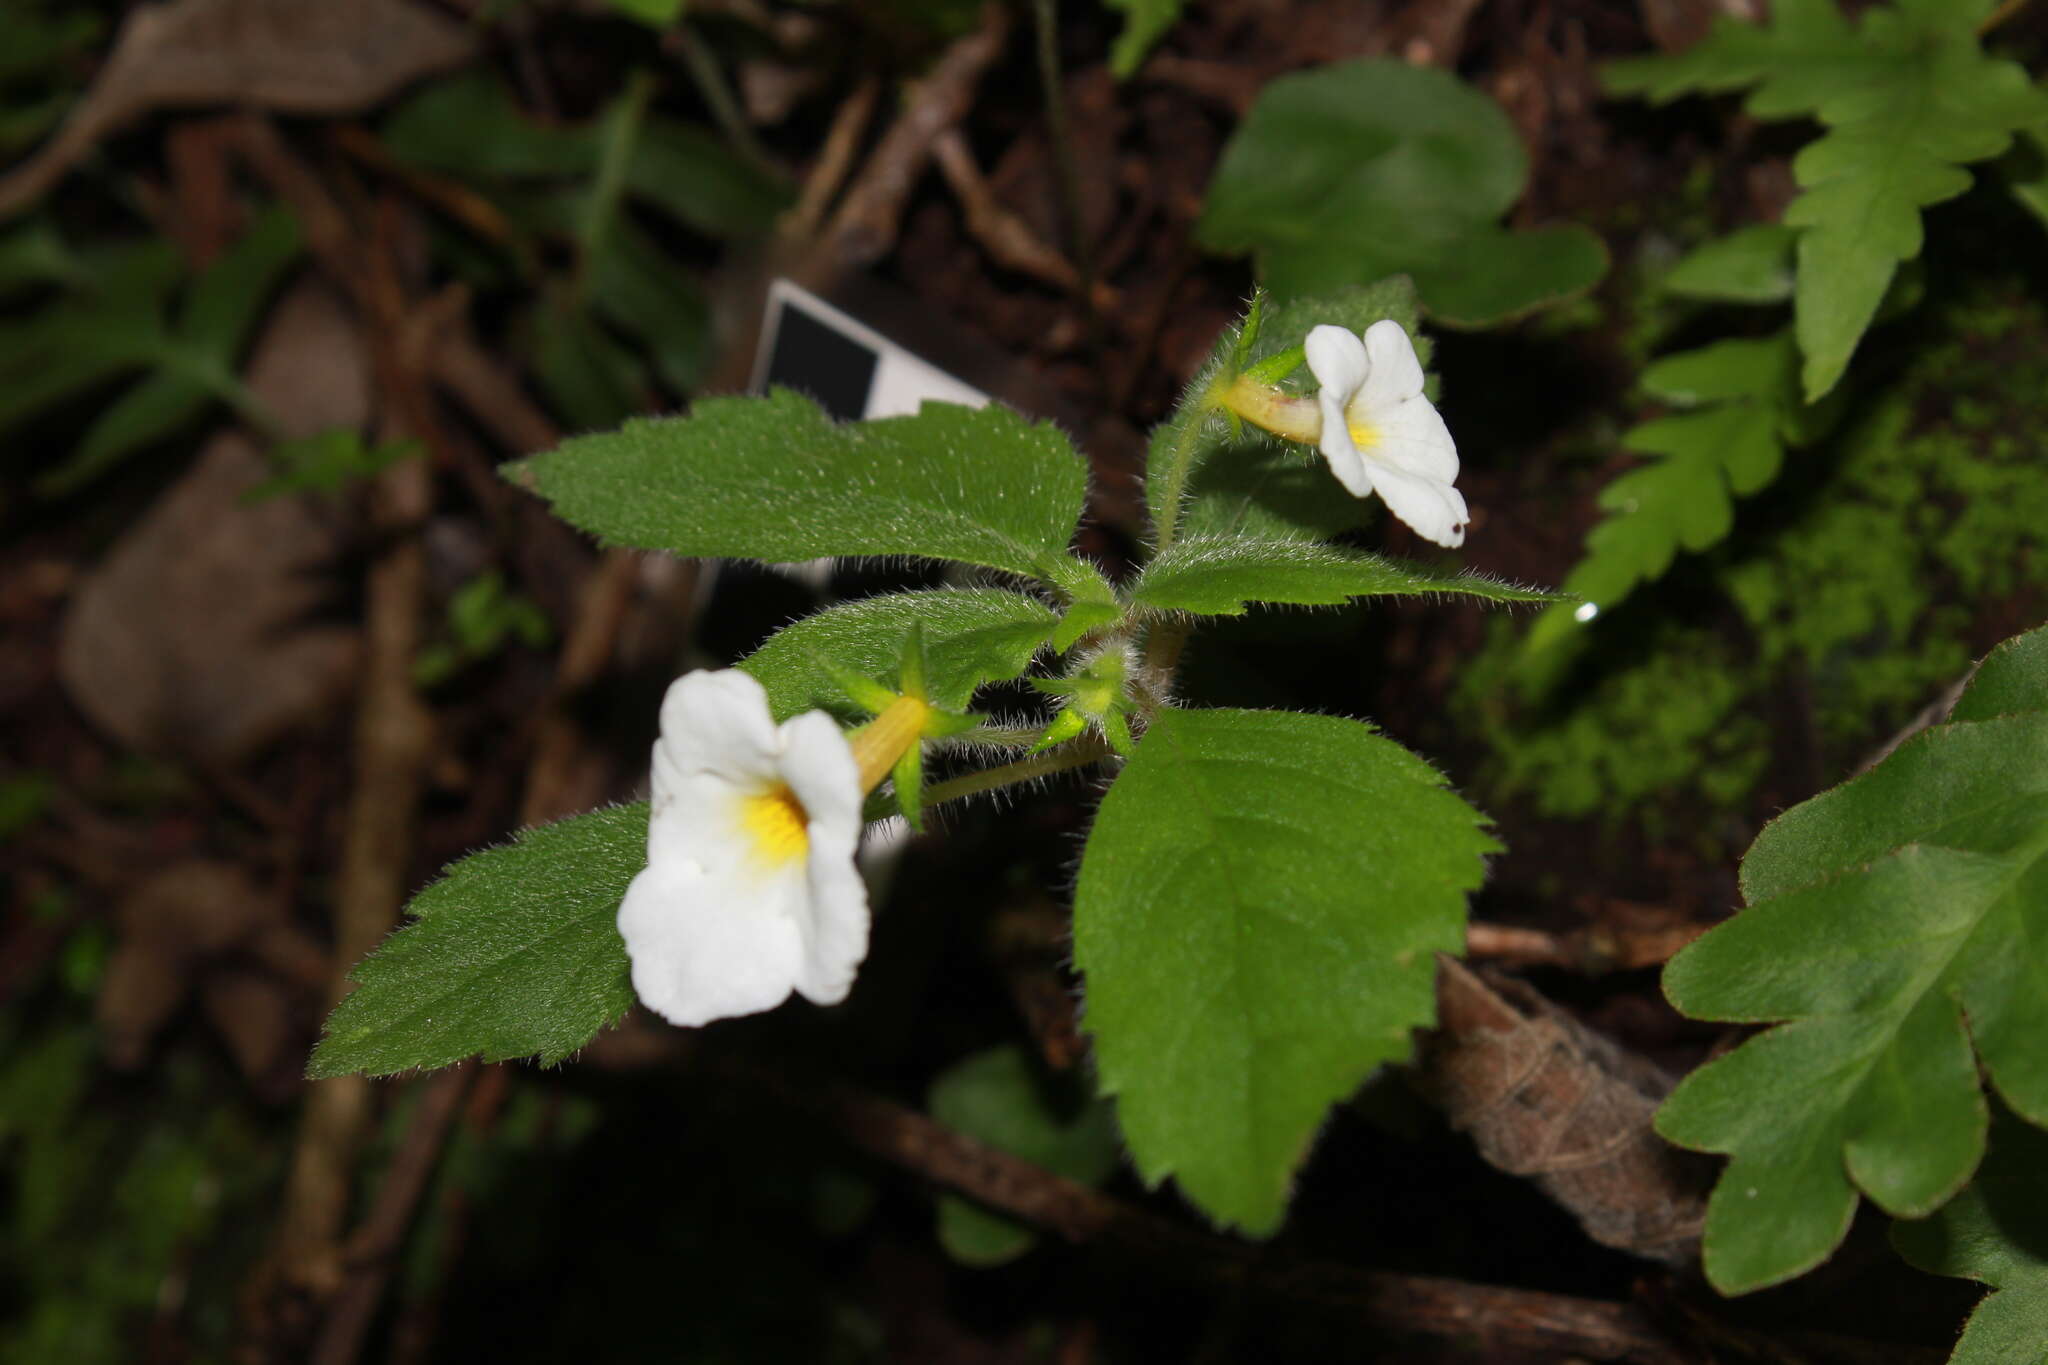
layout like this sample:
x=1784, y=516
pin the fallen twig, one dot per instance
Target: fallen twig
x=1416, y=1304
x=865, y=226
x=1007, y=238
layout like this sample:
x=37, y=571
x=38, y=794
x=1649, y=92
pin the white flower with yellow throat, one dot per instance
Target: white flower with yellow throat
x=750, y=890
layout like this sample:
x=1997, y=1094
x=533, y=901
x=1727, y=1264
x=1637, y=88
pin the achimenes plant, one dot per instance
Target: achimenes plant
x=1262, y=894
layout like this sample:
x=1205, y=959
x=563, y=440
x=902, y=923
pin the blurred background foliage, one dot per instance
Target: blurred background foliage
x=278, y=291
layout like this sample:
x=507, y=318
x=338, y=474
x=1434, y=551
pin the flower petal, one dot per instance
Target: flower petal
x=718, y=721
x=819, y=766
x=1337, y=359
x=706, y=947
x=1393, y=373
x=1414, y=439
x=1435, y=510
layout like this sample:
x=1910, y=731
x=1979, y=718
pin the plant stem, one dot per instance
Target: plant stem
x=1067, y=173
x=1998, y=16
x=709, y=78
x=1173, y=483
x=608, y=185
x=1079, y=754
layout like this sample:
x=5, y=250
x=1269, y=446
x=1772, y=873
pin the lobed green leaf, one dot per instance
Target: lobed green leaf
x=1743, y=404
x=971, y=636
x=1225, y=575
x=1896, y=926
x=1259, y=907
x=774, y=478
x=1908, y=97
x=513, y=953
x=1995, y=1232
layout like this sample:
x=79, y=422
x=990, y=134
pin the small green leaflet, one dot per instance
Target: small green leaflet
x=1371, y=168
x=998, y=1097
x=774, y=478
x=1908, y=98
x=971, y=636
x=1737, y=401
x=1995, y=1232
x=1896, y=925
x=1224, y=576
x=1145, y=23
x=1259, y=909
x=1750, y=265
x=513, y=953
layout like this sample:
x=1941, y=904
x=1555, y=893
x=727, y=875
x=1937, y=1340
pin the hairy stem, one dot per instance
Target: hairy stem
x=1079, y=754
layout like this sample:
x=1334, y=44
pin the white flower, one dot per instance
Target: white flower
x=750, y=889
x=1380, y=434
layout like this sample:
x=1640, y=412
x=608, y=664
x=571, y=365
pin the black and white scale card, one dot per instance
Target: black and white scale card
x=848, y=366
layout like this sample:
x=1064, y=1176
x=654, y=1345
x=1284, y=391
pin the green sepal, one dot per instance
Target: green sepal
x=910, y=672
x=1082, y=618
x=940, y=724
x=1065, y=726
x=1248, y=331
x=864, y=692
x=1278, y=366
x=909, y=778
x=1117, y=731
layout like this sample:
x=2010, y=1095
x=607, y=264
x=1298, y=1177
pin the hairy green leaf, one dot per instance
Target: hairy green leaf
x=1259, y=905
x=774, y=478
x=513, y=953
x=998, y=1097
x=971, y=636
x=1995, y=1232
x=1908, y=98
x=1371, y=168
x=1896, y=924
x=1225, y=575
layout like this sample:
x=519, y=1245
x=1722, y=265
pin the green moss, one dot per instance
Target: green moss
x=1854, y=589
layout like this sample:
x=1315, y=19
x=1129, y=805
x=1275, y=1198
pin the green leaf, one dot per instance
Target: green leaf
x=592, y=378
x=1995, y=1232
x=1259, y=905
x=691, y=175
x=1224, y=575
x=1884, y=914
x=2011, y=679
x=775, y=479
x=1908, y=98
x=328, y=461
x=1145, y=23
x=1744, y=403
x=998, y=1097
x=1371, y=168
x=656, y=14
x=472, y=129
x=513, y=953
x=1750, y=265
x=226, y=301
x=971, y=636
x=634, y=286
x=151, y=410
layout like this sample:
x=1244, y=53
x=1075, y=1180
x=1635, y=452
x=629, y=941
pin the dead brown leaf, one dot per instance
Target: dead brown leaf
x=274, y=54
x=196, y=637
x=1545, y=1097
x=192, y=927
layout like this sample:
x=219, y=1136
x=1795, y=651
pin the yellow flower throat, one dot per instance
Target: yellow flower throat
x=778, y=825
